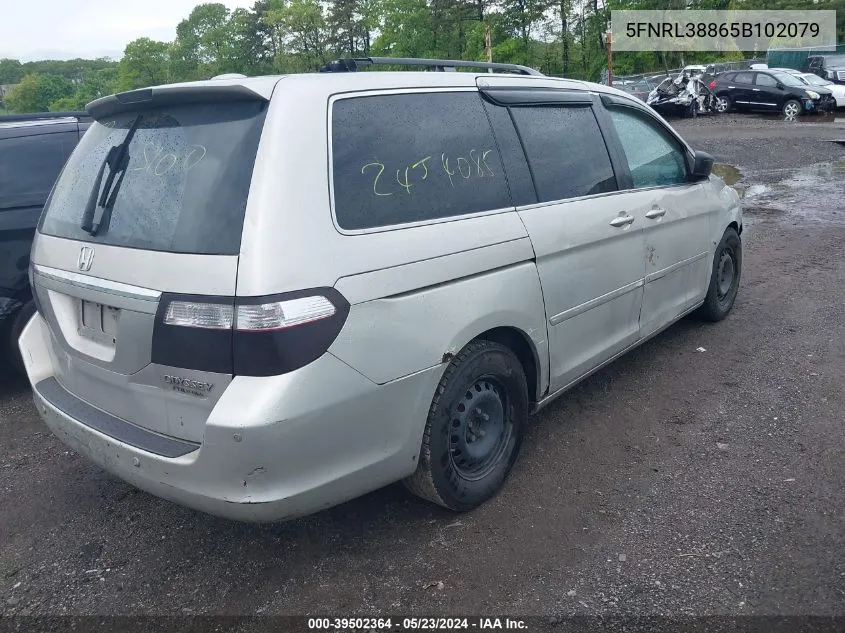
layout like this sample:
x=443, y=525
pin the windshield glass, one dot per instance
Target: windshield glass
x=834, y=61
x=788, y=80
x=815, y=80
x=185, y=184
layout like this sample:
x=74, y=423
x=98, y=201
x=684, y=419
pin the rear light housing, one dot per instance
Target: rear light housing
x=712, y=85
x=247, y=336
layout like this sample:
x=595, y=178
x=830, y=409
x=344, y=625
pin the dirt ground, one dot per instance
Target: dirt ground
x=674, y=482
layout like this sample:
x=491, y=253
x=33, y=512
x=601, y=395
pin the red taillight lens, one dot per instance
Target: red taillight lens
x=247, y=336
x=712, y=85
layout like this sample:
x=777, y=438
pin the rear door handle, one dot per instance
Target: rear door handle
x=655, y=213
x=622, y=220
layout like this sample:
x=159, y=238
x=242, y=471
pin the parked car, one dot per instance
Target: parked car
x=260, y=297
x=687, y=94
x=33, y=148
x=769, y=90
x=638, y=89
x=814, y=81
x=830, y=67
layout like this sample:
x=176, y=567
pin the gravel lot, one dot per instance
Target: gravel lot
x=673, y=482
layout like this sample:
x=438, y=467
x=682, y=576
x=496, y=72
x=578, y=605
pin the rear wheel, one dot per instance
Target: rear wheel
x=723, y=104
x=724, y=278
x=474, y=428
x=791, y=108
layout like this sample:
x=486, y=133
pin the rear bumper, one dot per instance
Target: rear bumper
x=274, y=448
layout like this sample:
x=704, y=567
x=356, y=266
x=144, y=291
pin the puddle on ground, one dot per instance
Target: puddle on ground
x=815, y=192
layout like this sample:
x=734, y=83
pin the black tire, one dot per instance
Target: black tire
x=791, y=108
x=459, y=466
x=19, y=322
x=721, y=293
x=727, y=104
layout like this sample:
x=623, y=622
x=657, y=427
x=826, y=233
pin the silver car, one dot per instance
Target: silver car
x=260, y=297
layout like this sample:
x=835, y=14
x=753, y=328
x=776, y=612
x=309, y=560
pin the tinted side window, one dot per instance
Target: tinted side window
x=727, y=77
x=412, y=157
x=654, y=158
x=519, y=177
x=29, y=165
x=566, y=151
x=744, y=78
x=766, y=80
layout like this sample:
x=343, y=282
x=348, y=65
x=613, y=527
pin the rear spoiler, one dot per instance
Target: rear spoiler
x=146, y=98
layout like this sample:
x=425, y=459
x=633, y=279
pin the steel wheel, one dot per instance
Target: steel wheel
x=725, y=274
x=480, y=429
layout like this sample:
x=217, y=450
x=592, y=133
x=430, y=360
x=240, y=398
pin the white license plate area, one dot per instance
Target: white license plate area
x=98, y=322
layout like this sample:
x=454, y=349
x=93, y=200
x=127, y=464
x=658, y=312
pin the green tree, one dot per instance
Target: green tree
x=98, y=83
x=145, y=62
x=37, y=91
x=202, y=45
x=11, y=71
x=303, y=24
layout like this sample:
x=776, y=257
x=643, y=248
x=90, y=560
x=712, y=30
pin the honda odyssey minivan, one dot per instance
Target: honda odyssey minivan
x=260, y=297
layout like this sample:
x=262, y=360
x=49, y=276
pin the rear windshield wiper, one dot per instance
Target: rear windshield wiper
x=118, y=161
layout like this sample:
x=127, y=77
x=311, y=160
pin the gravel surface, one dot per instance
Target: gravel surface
x=674, y=482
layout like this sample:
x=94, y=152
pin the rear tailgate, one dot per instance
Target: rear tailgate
x=149, y=208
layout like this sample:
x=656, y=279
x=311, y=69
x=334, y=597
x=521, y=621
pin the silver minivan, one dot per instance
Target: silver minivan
x=260, y=297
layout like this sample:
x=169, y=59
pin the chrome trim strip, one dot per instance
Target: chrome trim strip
x=670, y=269
x=594, y=303
x=86, y=282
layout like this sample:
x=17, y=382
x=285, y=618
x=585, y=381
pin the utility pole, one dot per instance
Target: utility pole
x=487, y=46
x=609, y=40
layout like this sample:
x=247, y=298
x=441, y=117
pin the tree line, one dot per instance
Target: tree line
x=558, y=37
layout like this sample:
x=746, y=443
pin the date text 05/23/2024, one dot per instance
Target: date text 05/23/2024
x=416, y=624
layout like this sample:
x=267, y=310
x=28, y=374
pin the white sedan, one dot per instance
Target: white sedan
x=814, y=80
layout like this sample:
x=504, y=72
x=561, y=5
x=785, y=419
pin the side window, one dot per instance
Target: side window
x=412, y=157
x=566, y=152
x=766, y=80
x=29, y=165
x=653, y=156
x=744, y=78
x=728, y=77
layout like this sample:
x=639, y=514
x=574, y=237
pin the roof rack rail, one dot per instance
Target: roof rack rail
x=35, y=116
x=441, y=65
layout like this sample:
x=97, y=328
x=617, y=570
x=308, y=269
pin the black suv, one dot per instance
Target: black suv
x=33, y=149
x=830, y=67
x=769, y=90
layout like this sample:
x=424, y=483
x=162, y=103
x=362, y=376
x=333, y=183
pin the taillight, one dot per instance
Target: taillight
x=247, y=336
x=712, y=85
x=212, y=316
x=278, y=315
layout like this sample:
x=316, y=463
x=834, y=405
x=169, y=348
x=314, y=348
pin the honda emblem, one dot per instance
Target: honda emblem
x=86, y=258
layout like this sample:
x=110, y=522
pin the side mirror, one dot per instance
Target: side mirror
x=780, y=86
x=702, y=165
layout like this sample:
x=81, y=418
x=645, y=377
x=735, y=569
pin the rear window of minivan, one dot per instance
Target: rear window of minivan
x=186, y=184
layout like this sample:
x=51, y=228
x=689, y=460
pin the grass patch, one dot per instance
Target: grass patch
x=730, y=174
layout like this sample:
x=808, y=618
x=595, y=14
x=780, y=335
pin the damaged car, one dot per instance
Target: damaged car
x=687, y=94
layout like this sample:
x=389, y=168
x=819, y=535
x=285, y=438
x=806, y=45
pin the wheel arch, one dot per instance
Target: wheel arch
x=526, y=352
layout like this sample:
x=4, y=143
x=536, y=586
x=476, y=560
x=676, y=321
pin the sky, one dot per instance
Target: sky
x=63, y=29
